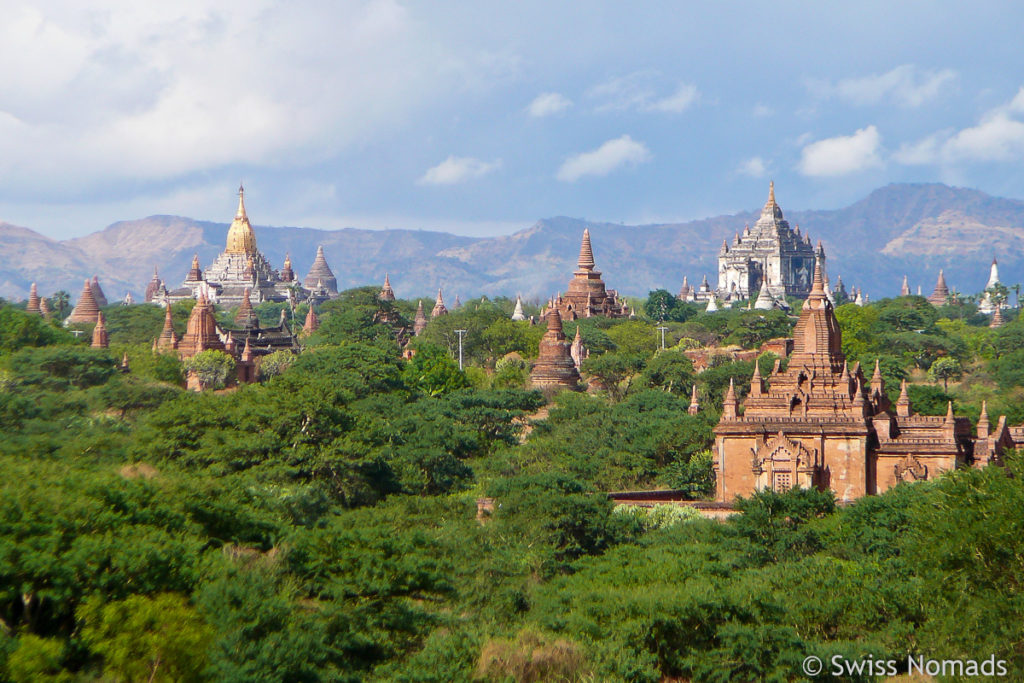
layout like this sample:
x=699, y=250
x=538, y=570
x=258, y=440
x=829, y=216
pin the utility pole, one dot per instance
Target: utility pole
x=460, y=333
x=662, y=337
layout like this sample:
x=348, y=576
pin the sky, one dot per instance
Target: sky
x=480, y=118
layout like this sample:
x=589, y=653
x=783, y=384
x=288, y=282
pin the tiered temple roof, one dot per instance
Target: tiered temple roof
x=554, y=365
x=86, y=309
x=518, y=314
x=167, y=340
x=587, y=295
x=154, y=286
x=246, y=316
x=312, y=323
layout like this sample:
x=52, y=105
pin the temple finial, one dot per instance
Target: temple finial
x=241, y=202
x=586, y=260
x=771, y=191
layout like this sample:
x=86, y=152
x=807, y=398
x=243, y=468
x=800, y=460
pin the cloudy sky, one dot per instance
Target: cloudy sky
x=481, y=117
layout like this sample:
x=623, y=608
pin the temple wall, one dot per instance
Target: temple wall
x=846, y=467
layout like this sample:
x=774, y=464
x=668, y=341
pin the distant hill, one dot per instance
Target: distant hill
x=901, y=228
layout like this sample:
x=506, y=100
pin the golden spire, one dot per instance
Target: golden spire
x=240, y=214
x=241, y=238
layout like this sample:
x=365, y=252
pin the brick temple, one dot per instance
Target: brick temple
x=825, y=425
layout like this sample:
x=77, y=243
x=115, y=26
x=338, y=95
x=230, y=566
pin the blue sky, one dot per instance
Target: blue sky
x=480, y=118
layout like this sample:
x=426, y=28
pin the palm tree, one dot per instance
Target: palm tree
x=61, y=301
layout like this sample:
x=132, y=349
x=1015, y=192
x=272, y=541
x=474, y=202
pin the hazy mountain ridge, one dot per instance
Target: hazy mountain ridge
x=902, y=228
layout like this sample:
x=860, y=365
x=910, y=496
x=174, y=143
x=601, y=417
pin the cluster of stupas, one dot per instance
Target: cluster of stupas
x=240, y=267
x=587, y=296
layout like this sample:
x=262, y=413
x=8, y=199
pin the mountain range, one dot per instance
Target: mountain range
x=912, y=229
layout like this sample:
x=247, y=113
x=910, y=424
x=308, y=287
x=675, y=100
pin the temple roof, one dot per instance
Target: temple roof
x=439, y=307
x=816, y=336
x=386, y=293
x=246, y=316
x=321, y=273
x=241, y=238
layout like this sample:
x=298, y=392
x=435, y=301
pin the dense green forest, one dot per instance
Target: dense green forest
x=322, y=524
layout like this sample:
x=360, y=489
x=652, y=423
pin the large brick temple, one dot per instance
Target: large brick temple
x=823, y=424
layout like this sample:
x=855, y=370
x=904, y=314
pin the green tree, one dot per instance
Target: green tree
x=614, y=371
x=670, y=370
x=212, y=367
x=433, y=371
x=662, y=306
x=276, y=363
x=147, y=638
x=945, y=369
x=19, y=329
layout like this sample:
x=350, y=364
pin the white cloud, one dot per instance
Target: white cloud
x=455, y=170
x=754, y=167
x=906, y=85
x=762, y=110
x=547, y=104
x=843, y=154
x=623, y=151
x=998, y=136
x=681, y=100
x=637, y=92
x=93, y=94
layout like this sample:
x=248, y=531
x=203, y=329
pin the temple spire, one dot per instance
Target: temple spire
x=386, y=293
x=420, y=320
x=100, y=338
x=905, y=289
x=518, y=314
x=756, y=383
x=439, y=307
x=903, y=402
x=33, y=300
x=586, y=260
x=730, y=404
x=240, y=214
x=694, y=404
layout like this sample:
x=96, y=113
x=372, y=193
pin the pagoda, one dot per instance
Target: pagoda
x=202, y=332
x=419, y=322
x=86, y=309
x=439, y=307
x=821, y=424
x=554, y=365
x=987, y=305
x=517, y=314
x=386, y=293
x=321, y=278
x=33, y=301
x=100, y=338
x=770, y=250
x=587, y=295
x=940, y=295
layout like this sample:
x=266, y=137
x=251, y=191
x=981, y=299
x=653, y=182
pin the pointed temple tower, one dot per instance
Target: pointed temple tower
x=386, y=293
x=940, y=295
x=246, y=316
x=44, y=308
x=905, y=288
x=100, y=338
x=587, y=296
x=578, y=351
x=168, y=340
x=554, y=365
x=312, y=323
x=419, y=322
x=33, y=300
x=201, y=333
x=439, y=307
x=321, y=274
x=821, y=425
x=154, y=286
x=987, y=306
x=86, y=309
x=287, y=274
x=517, y=314
x=772, y=250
